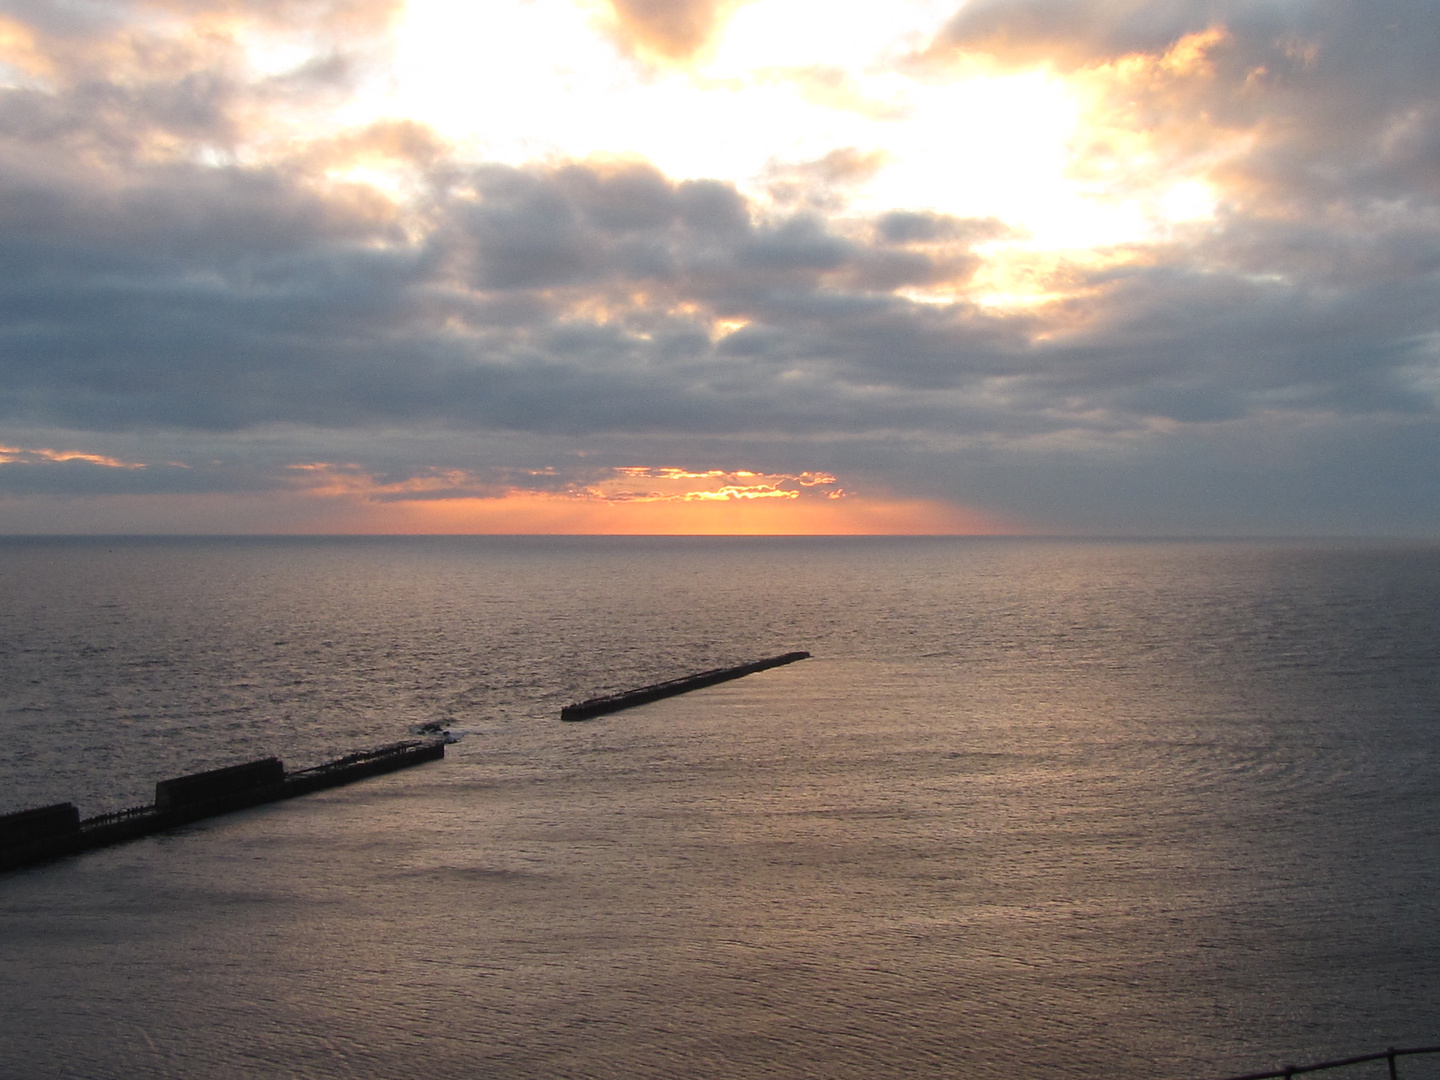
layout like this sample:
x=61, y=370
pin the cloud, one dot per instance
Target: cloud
x=579, y=298
x=668, y=29
x=372, y=317
x=20, y=455
x=1327, y=118
x=1055, y=31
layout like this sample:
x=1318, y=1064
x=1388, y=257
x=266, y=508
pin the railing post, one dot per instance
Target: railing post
x=1390, y=1057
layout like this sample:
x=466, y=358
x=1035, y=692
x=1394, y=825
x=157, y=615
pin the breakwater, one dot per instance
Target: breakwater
x=626, y=699
x=49, y=832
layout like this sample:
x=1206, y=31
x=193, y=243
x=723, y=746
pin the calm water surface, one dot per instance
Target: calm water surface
x=1035, y=809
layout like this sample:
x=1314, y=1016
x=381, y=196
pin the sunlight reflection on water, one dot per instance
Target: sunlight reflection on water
x=1046, y=810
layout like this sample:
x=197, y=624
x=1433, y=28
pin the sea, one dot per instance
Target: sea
x=1050, y=809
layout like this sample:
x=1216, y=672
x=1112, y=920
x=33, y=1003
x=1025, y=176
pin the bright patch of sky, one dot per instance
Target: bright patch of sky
x=784, y=82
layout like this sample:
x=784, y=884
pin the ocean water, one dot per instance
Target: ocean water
x=1050, y=809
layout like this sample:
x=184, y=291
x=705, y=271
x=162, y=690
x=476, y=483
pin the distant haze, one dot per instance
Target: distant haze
x=720, y=266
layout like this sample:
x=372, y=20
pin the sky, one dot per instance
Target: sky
x=1062, y=267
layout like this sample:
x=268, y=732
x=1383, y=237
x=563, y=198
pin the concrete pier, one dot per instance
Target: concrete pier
x=49, y=832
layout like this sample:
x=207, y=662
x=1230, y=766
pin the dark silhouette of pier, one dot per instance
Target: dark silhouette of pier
x=49, y=832
x=628, y=699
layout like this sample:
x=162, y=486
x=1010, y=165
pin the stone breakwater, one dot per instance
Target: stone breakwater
x=627, y=699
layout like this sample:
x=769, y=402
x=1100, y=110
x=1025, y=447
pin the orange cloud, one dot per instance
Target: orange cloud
x=626, y=484
x=19, y=455
x=633, y=500
x=715, y=485
x=668, y=29
x=19, y=49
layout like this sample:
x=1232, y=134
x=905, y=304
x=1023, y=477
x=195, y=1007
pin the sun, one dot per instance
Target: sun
x=778, y=84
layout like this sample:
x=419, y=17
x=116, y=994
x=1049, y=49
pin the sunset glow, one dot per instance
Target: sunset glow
x=18, y=455
x=530, y=513
x=513, y=513
x=1062, y=265
x=639, y=500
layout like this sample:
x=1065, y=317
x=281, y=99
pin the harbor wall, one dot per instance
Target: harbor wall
x=218, y=783
x=39, y=823
x=49, y=832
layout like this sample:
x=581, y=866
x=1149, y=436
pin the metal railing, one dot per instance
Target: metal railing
x=116, y=816
x=1389, y=1055
x=390, y=750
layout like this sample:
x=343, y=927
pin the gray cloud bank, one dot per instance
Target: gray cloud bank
x=1275, y=370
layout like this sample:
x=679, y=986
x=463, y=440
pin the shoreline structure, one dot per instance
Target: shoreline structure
x=54, y=831
x=628, y=699
x=51, y=832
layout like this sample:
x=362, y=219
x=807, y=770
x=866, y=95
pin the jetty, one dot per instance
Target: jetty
x=628, y=699
x=49, y=832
